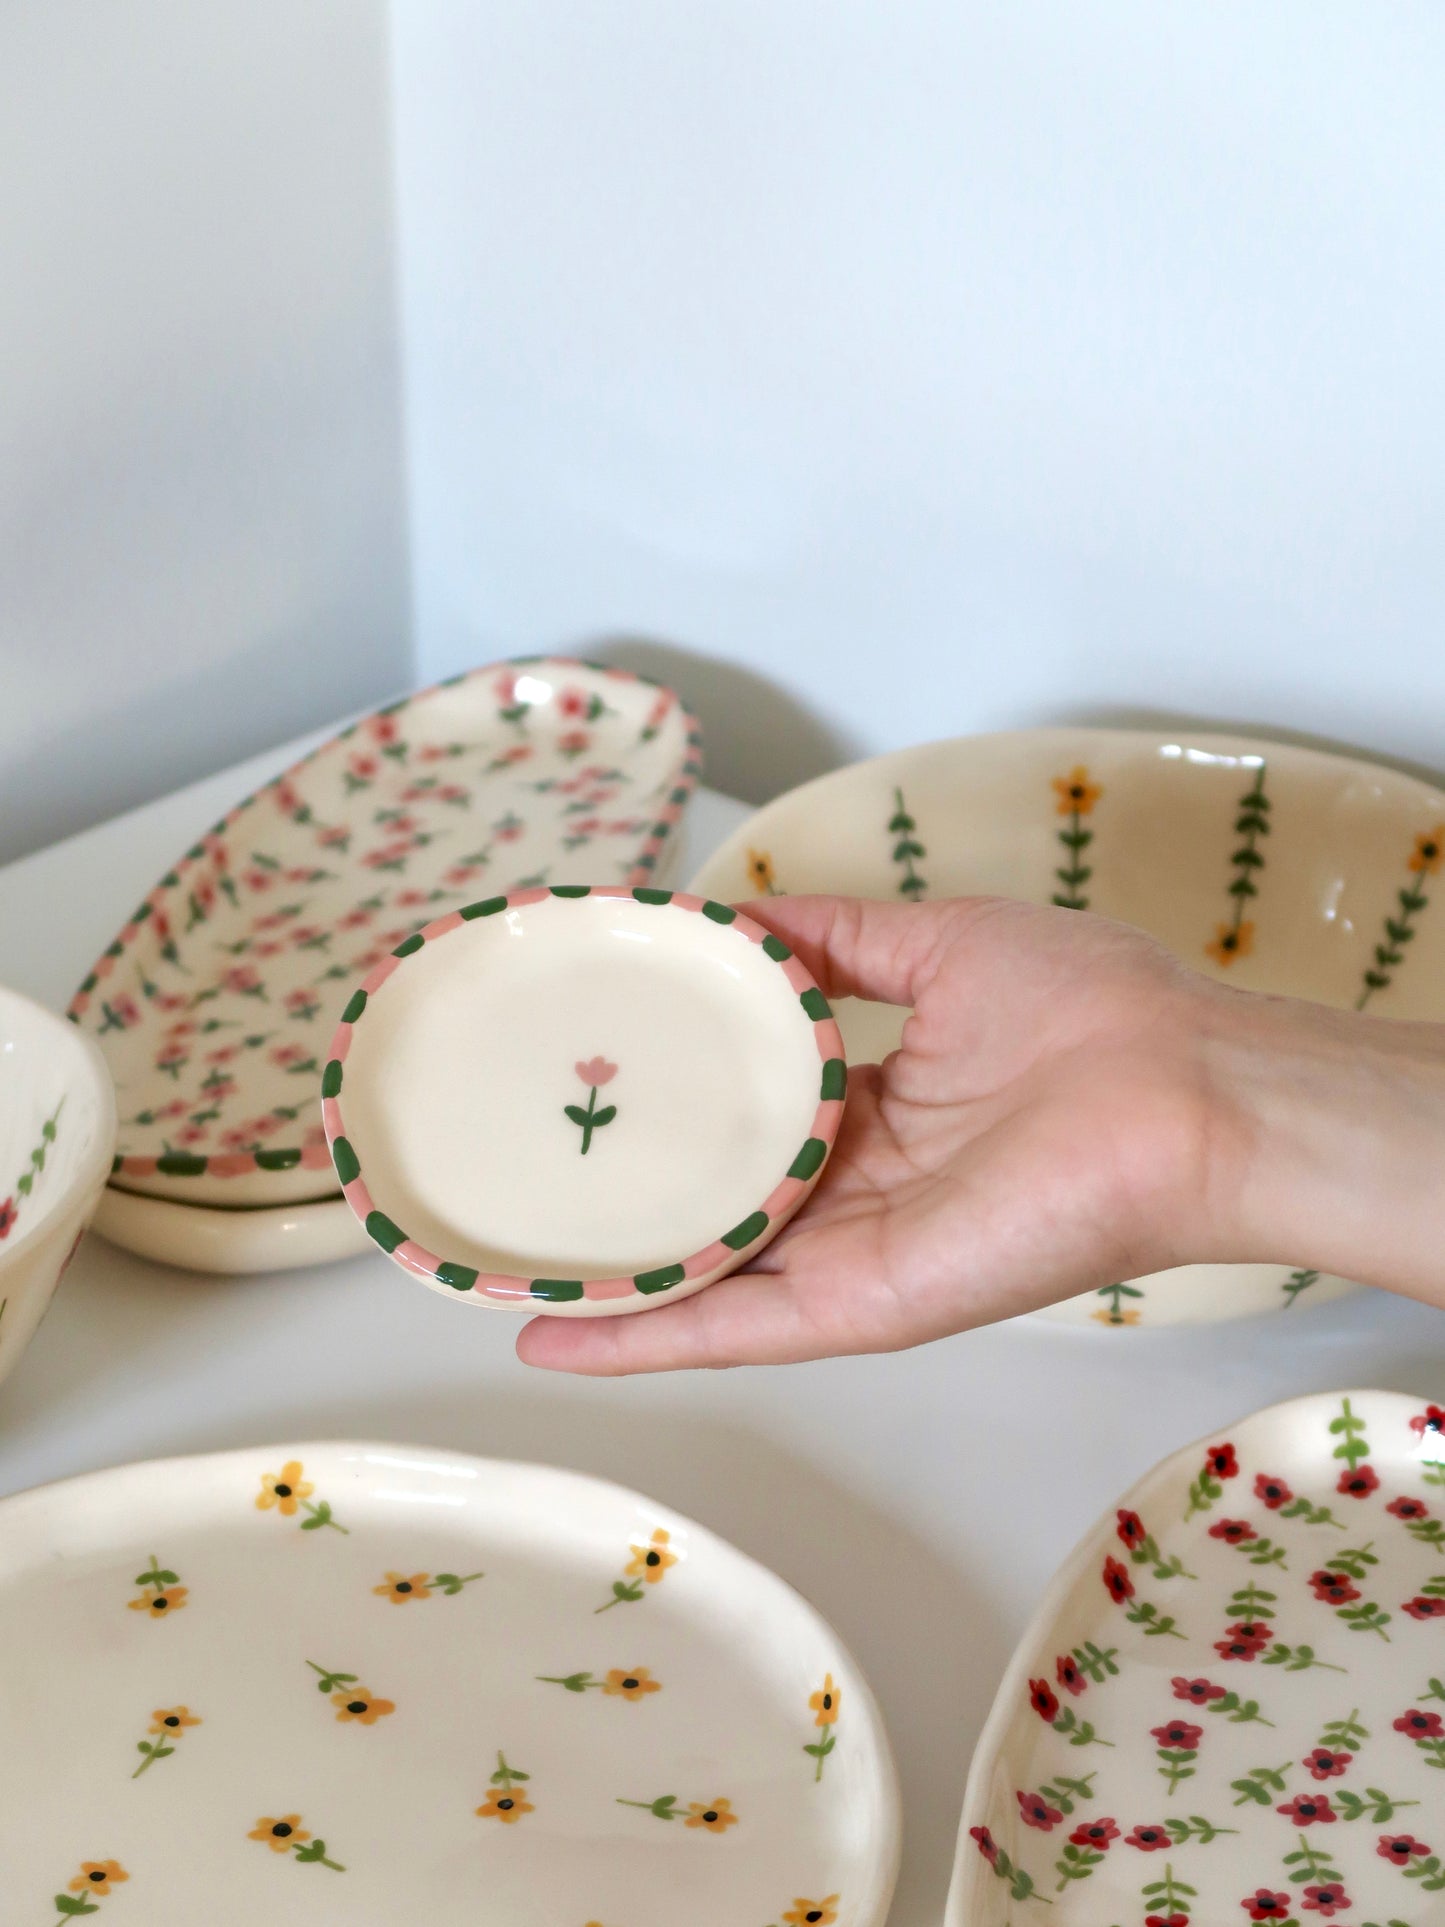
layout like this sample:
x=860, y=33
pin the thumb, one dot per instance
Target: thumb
x=886, y=952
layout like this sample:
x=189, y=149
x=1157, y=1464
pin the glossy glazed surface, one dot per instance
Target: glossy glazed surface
x=370, y=1683
x=1231, y=1704
x=582, y=1102
x=215, y=1002
x=1274, y=868
x=57, y=1132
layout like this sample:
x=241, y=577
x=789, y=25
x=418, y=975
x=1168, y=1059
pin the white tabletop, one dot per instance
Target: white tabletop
x=920, y=1500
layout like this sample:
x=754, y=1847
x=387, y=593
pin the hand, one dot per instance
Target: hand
x=1050, y=1124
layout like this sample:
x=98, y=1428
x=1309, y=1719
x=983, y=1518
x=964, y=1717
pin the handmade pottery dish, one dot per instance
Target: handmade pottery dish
x=1273, y=868
x=57, y=1133
x=1229, y=1705
x=214, y=1003
x=376, y=1683
x=582, y=1101
x=199, y=1237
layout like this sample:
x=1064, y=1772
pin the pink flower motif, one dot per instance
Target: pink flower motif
x=191, y=1133
x=288, y=1054
x=596, y=1071
x=383, y=728
x=8, y=1215
x=126, y=1009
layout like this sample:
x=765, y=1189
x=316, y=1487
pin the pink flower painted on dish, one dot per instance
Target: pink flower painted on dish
x=594, y=1073
x=8, y=1216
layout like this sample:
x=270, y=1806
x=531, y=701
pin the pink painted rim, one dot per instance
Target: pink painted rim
x=512, y=1288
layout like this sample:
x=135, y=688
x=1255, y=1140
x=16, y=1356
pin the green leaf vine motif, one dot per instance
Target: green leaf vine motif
x=1235, y=937
x=902, y=827
x=1424, y=860
x=1114, y=1295
x=1297, y=1659
x=25, y=1183
x=1351, y=1432
x=1297, y=1282
x=1168, y=1896
x=594, y=1072
x=1076, y=799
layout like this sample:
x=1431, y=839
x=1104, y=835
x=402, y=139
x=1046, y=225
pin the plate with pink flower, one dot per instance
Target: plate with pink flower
x=1230, y=1707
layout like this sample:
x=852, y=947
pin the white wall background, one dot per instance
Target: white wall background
x=202, y=526
x=945, y=366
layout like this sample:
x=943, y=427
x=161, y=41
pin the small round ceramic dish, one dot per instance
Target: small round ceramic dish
x=230, y=1241
x=370, y=1684
x=57, y=1135
x=582, y=1101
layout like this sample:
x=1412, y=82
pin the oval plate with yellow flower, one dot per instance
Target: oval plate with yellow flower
x=374, y=1683
x=1266, y=865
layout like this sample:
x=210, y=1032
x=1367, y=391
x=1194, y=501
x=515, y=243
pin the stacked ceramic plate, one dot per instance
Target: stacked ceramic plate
x=1274, y=868
x=214, y=1005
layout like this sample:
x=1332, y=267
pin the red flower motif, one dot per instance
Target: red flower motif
x=1131, y=1529
x=1244, y=1642
x=1324, y=1764
x=242, y=979
x=1198, y=1692
x=1117, y=1582
x=1037, y=1812
x=1326, y=1899
x=1309, y=1810
x=596, y=1070
x=1178, y=1733
x=1069, y=1676
x=1400, y=1847
x=987, y=1845
x=1237, y=1531
x=1166, y=1920
x=383, y=728
x=1094, y=1833
x=1432, y=1419
x=1043, y=1699
x=1333, y=1587
x=573, y=741
x=1149, y=1839
x=8, y=1215
x=1360, y=1483
x=1263, y=1904
x=572, y=702
x=1220, y=1460
x=1408, y=1508
x=1272, y=1492
x=1420, y=1726
x=1423, y=1608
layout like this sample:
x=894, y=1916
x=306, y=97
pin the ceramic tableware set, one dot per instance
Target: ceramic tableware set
x=433, y=991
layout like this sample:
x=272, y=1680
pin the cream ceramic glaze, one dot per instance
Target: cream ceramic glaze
x=1230, y=1705
x=1270, y=867
x=335, y=1683
x=198, y=1237
x=57, y=1133
x=214, y=1003
x=583, y=1103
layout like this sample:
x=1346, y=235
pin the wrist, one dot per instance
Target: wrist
x=1326, y=1141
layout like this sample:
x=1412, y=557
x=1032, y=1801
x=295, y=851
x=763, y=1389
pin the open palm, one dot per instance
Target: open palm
x=1041, y=1131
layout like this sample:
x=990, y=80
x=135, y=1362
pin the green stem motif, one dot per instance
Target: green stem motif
x=1351, y=1432
x=1297, y=1282
x=1168, y=1896
x=1234, y=938
x=25, y=1183
x=1077, y=799
x=1113, y=1295
x=329, y=1681
x=1424, y=861
x=594, y=1072
x=320, y=1516
x=1298, y=1659
x=902, y=826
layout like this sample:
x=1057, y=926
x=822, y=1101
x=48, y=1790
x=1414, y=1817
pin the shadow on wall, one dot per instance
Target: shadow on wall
x=759, y=739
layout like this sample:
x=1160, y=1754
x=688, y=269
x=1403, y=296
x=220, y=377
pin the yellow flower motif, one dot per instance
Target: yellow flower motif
x=283, y=1489
x=506, y=1804
x=716, y=1818
x=161, y=1604
x=1076, y=794
x=172, y=1720
x=401, y=1587
x=1231, y=942
x=650, y=1562
x=280, y=1835
x=825, y=1702
x=1116, y=1317
x=1429, y=852
x=362, y=1706
x=98, y=1877
x=813, y=1913
x=631, y=1686
x=760, y=869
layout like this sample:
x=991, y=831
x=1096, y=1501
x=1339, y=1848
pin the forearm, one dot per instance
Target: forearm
x=1331, y=1142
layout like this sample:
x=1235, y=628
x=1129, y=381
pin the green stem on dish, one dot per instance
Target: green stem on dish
x=1297, y=1282
x=902, y=826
